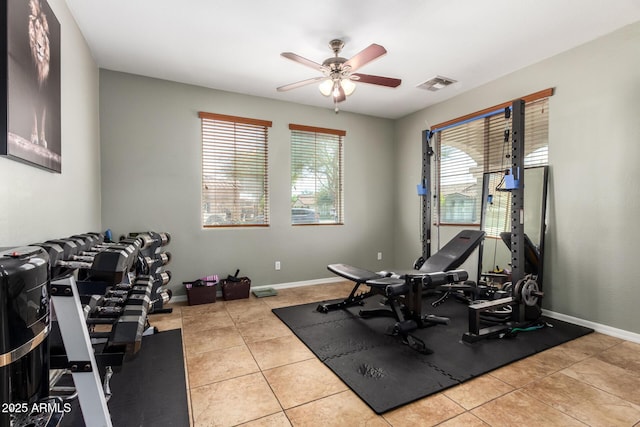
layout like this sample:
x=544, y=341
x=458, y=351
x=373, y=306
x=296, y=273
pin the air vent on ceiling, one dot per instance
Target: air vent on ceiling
x=436, y=83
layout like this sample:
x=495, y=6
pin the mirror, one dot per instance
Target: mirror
x=496, y=255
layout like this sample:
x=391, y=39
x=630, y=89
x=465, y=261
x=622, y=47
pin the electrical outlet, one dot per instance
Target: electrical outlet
x=277, y=265
x=379, y=256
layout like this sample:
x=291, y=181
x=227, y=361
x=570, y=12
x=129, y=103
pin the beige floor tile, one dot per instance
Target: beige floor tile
x=284, y=301
x=219, y=365
x=339, y=410
x=279, y=351
x=206, y=320
x=233, y=402
x=538, y=366
x=477, y=391
x=592, y=344
x=523, y=372
x=196, y=310
x=242, y=303
x=212, y=339
x=518, y=409
x=610, y=378
x=303, y=382
x=311, y=294
x=559, y=357
x=624, y=355
x=251, y=313
x=583, y=402
x=464, y=420
x=275, y=420
x=429, y=411
x=263, y=330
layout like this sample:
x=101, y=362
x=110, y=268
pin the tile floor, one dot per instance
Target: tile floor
x=245, y=367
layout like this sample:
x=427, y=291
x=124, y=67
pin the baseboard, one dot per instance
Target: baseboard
x=179, y=298
x=603, y=329
x=301, y=283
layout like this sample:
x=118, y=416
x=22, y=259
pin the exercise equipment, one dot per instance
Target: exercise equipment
x=90, y=283
x=403, y=289
x=521, y=307
x=152, y=261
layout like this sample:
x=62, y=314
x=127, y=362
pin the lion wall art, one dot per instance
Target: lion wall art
x=32, y=116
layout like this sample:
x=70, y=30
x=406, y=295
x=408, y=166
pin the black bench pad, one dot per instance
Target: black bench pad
x=355, y=274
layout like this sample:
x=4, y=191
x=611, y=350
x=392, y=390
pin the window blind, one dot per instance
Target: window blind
x=468, y=150
x=316, y=175
x=235, y=187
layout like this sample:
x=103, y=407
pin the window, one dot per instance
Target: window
x=235, y=189
x=473, y=145
x=316, y=175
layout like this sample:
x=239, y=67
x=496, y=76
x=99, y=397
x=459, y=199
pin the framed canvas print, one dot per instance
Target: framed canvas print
x=30, y=123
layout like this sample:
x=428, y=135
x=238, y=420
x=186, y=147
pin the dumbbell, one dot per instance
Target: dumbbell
x=151, y=264
x=110, y=264
x=118, y=302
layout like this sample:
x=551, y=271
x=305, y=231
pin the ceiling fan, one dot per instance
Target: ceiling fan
x=338, y=76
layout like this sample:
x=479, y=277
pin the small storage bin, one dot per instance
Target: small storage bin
x=202, y=291
x=236, y=289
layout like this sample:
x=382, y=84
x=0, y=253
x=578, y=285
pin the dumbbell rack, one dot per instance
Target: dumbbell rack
x=151, y=264
x=115, y=285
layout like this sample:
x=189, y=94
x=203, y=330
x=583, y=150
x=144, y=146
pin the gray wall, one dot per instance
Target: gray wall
x=38, y=205
x=594, y=147
x=151, y=180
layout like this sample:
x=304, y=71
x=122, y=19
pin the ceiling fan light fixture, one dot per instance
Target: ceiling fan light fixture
x=326, y=87
x=348, y=86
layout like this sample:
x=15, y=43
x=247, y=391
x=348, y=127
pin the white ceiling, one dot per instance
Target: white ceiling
x=235, y=45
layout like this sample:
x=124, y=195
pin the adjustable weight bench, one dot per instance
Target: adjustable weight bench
x=403, y=289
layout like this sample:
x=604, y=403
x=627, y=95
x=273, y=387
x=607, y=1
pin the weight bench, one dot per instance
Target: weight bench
x=403, y=289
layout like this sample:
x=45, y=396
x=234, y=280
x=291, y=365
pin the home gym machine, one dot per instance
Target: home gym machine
x=523, y=305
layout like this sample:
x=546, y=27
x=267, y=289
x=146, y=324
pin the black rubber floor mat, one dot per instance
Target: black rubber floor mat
x=150, y=390
x=386, y=373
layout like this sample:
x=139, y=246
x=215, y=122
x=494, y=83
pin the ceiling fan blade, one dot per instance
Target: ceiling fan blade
x=377, y=80
x=365, y=56
x=300, y=83
x=304, y=61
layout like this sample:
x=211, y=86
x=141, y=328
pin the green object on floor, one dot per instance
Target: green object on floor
x=265, y=292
